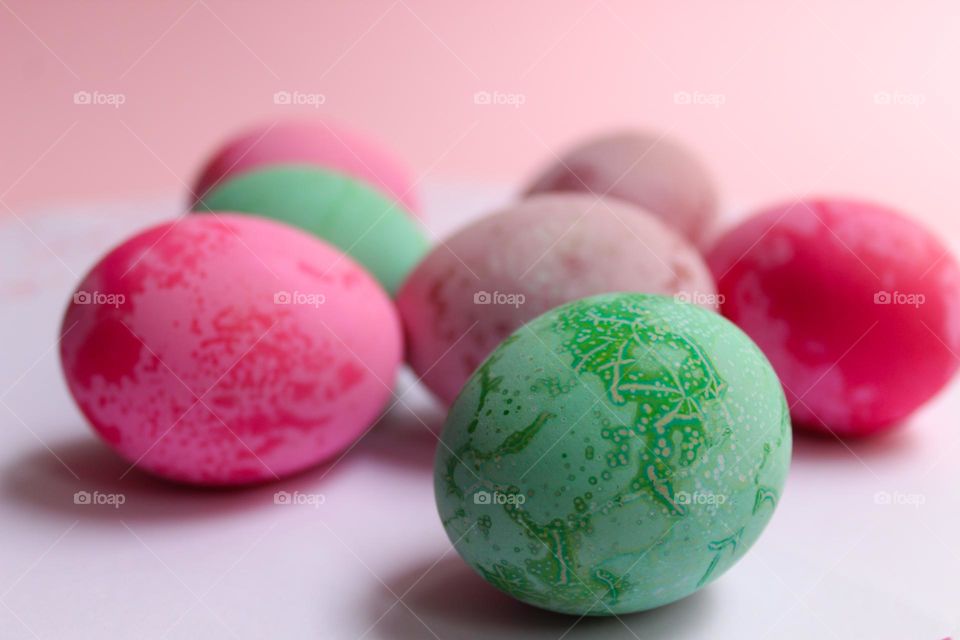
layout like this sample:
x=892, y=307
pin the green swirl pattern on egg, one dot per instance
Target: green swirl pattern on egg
x=613, y=455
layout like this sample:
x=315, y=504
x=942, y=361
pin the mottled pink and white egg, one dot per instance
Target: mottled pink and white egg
x=479, y=286
x=229, y=349
x=650, y=170
x=856, y=307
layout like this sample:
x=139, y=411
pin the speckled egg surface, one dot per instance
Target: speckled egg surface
x=229, y=349
x=345, y=212
x=613, y=455
x=477, y=287
x=310, y=142
x=856, y=306
x=651, y=170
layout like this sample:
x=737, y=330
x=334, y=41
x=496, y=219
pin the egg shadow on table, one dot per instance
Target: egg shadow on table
x=447, y=599
x=405, y=438
x=55, y=479
x=65, y=479
x=900, y=441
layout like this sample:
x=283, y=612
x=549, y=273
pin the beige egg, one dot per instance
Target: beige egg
x=651, y=170
x=484, y=282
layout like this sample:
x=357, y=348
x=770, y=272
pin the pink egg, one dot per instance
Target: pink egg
x=650, y=170
x=229, y=349
x=310, y=143
x=857, y=308
x=475, y=289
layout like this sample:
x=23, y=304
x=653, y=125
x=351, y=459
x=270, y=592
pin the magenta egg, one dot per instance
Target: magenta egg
x=309, y=142
x=480, y=285
x=229, y=349
x=856, y=307
x=651, y=170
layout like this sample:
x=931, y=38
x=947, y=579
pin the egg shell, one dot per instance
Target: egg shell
x=613, y=455
x=650, y=170
x=345, y=212
x=229, y=349
x=857, y=307
x=477, y=287
x=310, y=142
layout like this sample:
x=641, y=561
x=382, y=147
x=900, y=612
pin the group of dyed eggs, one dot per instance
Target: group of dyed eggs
x=613, y=443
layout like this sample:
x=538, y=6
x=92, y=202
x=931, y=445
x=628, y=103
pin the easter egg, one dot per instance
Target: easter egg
x=650, y=170
x=477, y=287
x=856, y=306
x=314, y=143
x=229, y=350
x=365, y=225
x=615, y=454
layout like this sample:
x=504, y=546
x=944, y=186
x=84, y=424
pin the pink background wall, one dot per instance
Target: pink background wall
x=793, y=85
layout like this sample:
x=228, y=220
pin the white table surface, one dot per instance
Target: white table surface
x=372, y=560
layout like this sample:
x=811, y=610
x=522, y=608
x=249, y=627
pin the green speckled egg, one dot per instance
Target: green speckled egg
x=613, y=455
x=345, y=212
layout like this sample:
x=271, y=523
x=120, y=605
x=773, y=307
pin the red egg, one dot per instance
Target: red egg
x=856, y=306
x=229, y=349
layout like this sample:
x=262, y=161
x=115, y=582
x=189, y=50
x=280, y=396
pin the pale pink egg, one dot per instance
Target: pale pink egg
x=477, y=287
x=856, y=306
x=229, y=349
x=310, y=142
x=650, y=170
